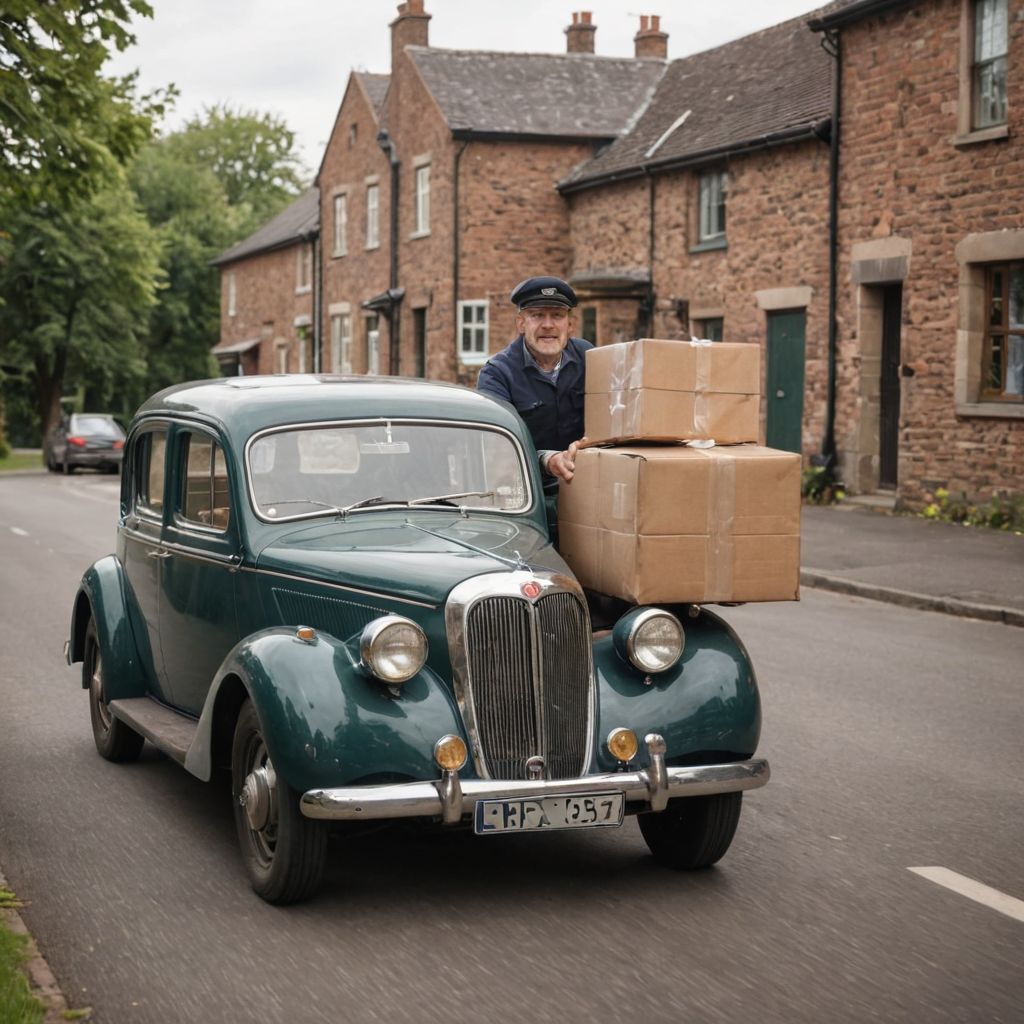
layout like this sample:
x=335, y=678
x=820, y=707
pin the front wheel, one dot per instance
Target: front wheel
x=284, y=852
x=114, y=739
x=693, y=832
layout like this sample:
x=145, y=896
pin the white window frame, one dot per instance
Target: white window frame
x=232, y=294
x=341, y=342
x=372, y=346
x=474, y=355
x=372, y=216
x=281, y=356
x=304, y=269
x=422, y=220
x=340, y=224
x=712, y=193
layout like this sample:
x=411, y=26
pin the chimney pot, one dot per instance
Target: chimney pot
x=579, y=36
x=650, y=41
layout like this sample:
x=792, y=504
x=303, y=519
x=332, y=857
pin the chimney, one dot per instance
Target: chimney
x=579, y=36
x=408, y=29
x=650, y=41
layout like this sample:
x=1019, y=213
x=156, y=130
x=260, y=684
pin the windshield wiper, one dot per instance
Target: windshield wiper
x=449, y=499
x=341, y=510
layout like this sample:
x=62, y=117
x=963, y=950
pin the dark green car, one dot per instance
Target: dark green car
x=345, y=591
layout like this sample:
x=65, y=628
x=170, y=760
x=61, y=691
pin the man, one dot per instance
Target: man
x=542, y=372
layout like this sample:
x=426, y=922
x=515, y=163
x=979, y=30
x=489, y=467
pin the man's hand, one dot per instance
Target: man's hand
x=563, y=464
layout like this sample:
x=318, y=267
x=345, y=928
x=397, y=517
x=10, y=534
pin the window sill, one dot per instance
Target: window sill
x=419, y=234
x=997, y=131
x=710, y=245
x=304, y=290
x=473, y=359
x=338, y=253
x=992, y=410
x=370, y=248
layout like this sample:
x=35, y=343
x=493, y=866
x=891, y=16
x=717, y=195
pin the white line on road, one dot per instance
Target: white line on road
x=19, y=531
x=984, y=894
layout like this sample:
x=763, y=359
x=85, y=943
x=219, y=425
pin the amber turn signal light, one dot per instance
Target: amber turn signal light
x=450, y=752
x=622, y=744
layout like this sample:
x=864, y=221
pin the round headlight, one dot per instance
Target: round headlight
x=393, y=648
x=653, y=639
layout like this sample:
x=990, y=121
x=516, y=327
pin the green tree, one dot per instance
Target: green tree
x=78, y=281
x=65, y=130
x=204, y=188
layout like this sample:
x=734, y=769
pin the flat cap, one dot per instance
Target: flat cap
x=543, y=291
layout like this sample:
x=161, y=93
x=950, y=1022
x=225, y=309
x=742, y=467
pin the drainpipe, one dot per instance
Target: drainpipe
x=393, y=313
x=650, y=253
x=831, y=45
x=318, y=302
x=455, y=246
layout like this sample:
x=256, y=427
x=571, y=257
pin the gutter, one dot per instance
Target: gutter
x=855, y=12
x=780, y=138
x=391, y=309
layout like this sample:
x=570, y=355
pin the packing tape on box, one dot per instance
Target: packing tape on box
x=720, y=554
x=626, y=372
x=701, y=385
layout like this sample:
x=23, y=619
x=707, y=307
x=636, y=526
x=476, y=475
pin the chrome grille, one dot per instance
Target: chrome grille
x=527, y=683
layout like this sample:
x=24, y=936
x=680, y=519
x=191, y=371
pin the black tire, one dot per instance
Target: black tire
x=285, y=854
x=114, y=740
x=693, y=832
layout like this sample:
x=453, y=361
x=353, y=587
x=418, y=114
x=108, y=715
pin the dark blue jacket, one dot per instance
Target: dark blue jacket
x=553, y=413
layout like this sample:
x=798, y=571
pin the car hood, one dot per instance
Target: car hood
x=418, y=559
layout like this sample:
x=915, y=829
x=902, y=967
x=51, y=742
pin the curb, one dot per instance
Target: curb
x=908, y=599
x=41, y=981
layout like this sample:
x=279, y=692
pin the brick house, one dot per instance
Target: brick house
x=267, y=297
x=930, y=262
x=705, y=196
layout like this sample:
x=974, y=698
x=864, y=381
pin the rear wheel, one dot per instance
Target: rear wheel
x=693, y=832
x=114, y=740
x=283, y=851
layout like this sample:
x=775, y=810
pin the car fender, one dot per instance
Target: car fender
x=103, y=597
x=325, y=721
x=709, y=702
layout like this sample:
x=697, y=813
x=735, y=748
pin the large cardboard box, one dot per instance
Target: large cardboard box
x=657, y=390
x=672, y=523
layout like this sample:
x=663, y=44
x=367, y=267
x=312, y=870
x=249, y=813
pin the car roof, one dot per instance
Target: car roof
x=242, y=406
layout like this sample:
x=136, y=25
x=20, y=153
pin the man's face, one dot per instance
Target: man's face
x=545, y=329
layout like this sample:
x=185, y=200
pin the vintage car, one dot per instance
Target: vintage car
x=344, y=590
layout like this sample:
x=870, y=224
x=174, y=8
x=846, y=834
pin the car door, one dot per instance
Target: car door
x=140, y=545
x=197, y=621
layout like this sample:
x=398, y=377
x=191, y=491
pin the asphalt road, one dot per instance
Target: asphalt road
x=895, y=739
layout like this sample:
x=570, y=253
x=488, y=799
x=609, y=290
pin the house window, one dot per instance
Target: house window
x=713, y=188
x=304, y=269
x=340, y=225
x=232, y=294
x=473, y=331
x=341, y=343
x=373, y=344
x=281, y=357
x=1002, y=372
x=305, y=345
x=711, y=328
x=588, y=324
x=423, y=200
x=988, y=74
x=372, y=216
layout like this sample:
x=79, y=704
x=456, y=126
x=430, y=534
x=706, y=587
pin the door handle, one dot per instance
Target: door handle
x=158, y=554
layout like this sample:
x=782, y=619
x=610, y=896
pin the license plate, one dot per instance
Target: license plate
x=590, y=810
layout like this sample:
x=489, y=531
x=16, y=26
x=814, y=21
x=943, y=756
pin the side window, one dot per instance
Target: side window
x=151, y=448
x=206, y=501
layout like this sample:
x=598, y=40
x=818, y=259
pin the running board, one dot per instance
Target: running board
x=167, y=730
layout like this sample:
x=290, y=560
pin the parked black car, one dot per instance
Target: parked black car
x=85, y=439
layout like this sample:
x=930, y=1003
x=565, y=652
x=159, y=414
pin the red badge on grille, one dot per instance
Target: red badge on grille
x=530, y=589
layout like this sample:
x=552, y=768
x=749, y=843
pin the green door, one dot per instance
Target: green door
x=785, y=379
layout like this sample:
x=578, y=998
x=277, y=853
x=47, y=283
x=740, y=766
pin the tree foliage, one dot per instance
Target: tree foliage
x=64, y=129
x=78, y=282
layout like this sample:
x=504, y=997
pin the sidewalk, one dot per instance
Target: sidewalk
x=856, y=549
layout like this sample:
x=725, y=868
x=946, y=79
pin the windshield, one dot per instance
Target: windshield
x=330, y=468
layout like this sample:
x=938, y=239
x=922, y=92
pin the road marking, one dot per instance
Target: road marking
x=19, y=531
x=984, y=894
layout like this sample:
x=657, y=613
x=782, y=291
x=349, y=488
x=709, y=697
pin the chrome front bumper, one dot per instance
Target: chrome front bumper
x=451, y=798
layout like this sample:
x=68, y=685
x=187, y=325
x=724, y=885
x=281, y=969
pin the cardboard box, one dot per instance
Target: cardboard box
x=671, y=523
x=673, y=391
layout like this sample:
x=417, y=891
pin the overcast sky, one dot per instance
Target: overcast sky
x=293, y=58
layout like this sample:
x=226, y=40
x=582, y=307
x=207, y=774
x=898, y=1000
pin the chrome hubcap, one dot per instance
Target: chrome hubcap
x=258, y=797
